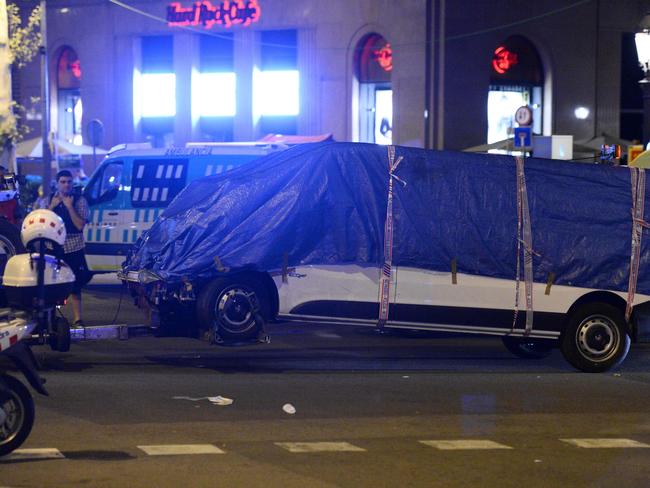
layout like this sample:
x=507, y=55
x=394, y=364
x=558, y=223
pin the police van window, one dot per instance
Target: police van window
x=156, y=182
x=105, y=185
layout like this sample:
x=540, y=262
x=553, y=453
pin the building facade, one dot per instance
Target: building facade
x=428, y=73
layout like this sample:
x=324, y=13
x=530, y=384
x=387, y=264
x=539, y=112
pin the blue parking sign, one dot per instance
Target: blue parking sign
x=522, y=137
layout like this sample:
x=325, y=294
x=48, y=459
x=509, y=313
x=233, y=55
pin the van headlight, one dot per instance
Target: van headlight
x=146, y=277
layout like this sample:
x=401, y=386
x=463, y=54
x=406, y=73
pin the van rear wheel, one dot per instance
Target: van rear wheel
x=233, y=307
x=596, y=338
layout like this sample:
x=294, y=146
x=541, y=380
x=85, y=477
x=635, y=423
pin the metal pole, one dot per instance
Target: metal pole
x=645, y=87
x=45, y=104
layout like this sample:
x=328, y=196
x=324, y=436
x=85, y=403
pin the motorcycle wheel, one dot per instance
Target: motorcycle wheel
x=16, y=414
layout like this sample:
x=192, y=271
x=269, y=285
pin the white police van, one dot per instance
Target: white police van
x=135, y=183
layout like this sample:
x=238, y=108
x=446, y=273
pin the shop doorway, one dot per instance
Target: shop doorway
x=373, y=66
x=517, y=78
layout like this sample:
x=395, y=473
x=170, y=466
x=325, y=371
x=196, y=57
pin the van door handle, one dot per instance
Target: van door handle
x=112, y=214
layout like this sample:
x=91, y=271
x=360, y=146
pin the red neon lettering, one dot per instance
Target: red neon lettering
x=225, y=13
x=503, y=60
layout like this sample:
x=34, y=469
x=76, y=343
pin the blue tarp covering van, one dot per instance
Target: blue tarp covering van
x=327, y=204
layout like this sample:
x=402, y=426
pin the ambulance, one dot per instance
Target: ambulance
x=135, y=183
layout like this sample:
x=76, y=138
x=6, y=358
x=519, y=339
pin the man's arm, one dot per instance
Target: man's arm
x=78, y=213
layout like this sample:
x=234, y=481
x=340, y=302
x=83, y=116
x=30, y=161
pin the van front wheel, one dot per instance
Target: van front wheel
x=233, y=307
x=596, y=338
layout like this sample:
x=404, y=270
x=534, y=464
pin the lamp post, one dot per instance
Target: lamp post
x=642, y=41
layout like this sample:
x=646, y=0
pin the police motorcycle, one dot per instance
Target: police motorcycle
x=34, y=284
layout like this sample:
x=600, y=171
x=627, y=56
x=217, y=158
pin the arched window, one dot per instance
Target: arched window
x=373, y=67
x=516, y=79
x=70, y=108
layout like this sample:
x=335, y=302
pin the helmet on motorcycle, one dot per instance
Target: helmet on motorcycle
x=43, y=224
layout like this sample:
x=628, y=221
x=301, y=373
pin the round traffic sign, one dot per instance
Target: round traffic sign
x=524, y=116
x=95, y=132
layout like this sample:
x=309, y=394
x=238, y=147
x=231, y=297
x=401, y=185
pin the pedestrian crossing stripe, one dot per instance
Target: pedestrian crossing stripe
x=180, y=449
x=29, y=454
x=605, y=443
x=319, y=447
x=464, y=444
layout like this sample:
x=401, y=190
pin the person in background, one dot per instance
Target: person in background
x=10, y=207
x=42, y=201
x=73, y=210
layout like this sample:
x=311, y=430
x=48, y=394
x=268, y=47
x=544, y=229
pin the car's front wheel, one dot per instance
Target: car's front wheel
x=233, y=308
x=596, y=338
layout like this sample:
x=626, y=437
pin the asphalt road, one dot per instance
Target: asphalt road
x=370, y=410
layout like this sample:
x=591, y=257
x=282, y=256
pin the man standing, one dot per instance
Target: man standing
x=73, y=209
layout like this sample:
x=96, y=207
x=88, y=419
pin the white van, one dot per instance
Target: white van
x=544, y=253
x=134, y=184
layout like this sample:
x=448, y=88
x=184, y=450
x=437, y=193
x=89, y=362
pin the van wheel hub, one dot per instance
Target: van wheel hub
x=235, y=310
x=597, y=338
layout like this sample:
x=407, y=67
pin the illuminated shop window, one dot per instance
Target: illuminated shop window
x=154, y=85
x=214, y=94
x=277, y=92
x=276, y=83
x=214, y=87
x=516, y=79
x=69, y=105
x=158, y=95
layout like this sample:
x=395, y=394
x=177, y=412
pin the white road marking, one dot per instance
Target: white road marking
x=180, y=449
x=319, y=446
x=27, y=454
x=467, y=444
x=605, y=443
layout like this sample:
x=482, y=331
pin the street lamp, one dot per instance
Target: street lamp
x=642, y=41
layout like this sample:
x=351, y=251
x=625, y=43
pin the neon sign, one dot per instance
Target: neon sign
x=226, y=13
x=75, y=68
x=503, y=60
x=384, y=57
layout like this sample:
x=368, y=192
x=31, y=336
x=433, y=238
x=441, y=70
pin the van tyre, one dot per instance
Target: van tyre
x=233, y=309
x=16, y=414
x=527, y=348
x=596, y=338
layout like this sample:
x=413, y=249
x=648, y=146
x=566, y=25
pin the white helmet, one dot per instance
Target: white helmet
x=43, y=224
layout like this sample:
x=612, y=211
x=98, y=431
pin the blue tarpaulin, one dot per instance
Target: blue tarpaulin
x=325, y=204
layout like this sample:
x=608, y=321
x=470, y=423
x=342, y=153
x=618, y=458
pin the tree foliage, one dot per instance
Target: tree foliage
x=24, y=40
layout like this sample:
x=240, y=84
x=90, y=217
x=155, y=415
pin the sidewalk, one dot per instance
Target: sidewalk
x=107, y=304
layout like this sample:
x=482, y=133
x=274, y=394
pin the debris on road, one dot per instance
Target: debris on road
x=215, y=400
x=288, y=408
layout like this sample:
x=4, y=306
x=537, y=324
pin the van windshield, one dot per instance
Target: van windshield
x=105, y=184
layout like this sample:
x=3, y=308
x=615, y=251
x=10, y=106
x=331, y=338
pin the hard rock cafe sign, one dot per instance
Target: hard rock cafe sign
x=207, y=14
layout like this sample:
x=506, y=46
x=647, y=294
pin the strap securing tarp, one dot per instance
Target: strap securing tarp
x=637, y=178
x=525, y=243
x=386, y=270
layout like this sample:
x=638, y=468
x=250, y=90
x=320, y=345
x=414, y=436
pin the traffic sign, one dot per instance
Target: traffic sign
x=95, y=132
x=524, y=116
x=523, y=137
